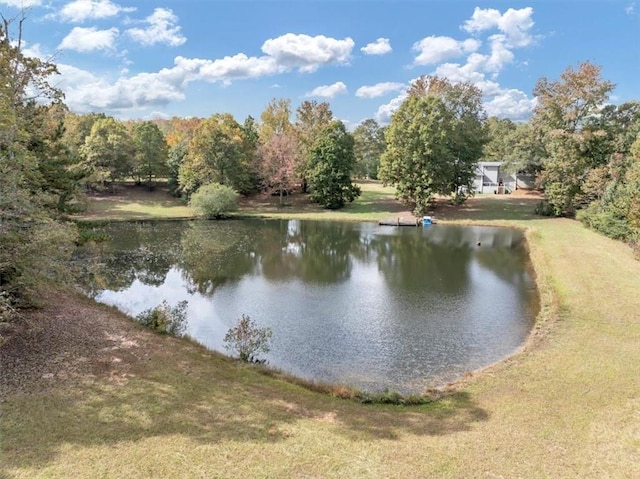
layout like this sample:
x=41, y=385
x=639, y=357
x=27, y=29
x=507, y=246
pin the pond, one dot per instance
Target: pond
x=374, y=307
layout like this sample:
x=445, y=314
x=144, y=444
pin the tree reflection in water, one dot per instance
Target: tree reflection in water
x=372, y=306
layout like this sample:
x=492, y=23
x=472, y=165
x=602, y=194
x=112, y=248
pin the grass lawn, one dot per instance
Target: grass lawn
x=567, y=405
x=375, y=203
x=131, y=202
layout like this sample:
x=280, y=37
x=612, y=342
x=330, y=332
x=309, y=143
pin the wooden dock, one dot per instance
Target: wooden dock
x=400, y=222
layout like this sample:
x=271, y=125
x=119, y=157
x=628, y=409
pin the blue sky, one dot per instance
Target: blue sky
x=155, y=58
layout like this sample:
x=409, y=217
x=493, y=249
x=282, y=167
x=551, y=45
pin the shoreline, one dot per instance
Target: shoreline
x=561, y=406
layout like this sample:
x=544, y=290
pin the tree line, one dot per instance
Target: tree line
x=584, y=151
x=314, y=152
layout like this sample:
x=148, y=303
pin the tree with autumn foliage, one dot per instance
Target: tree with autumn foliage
x=562, y=119
x=311, y=120
x=178, y=133
x=107, y=153
x=216, y=154
x=280, y=155
x=276, y=118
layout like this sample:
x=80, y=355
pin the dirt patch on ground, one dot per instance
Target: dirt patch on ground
x=71, y=339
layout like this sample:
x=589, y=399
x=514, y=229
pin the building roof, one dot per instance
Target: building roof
x=489, y=163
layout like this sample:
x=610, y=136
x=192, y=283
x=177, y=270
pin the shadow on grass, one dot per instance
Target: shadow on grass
x=212, y=402
x=374, y=205
x=489, y=208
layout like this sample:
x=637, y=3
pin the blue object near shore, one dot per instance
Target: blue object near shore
x=426, y=221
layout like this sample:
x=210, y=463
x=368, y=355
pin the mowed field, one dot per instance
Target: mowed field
x=88, y=393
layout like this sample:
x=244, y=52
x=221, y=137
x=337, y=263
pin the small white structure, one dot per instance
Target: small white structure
x=491, y=177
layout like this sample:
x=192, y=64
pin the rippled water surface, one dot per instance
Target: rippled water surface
x=370, y=306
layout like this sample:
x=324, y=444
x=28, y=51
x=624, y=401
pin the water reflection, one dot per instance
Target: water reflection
x=375, y=307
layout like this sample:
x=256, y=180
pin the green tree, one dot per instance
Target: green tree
x=108, y=152
x=434, y=142
x=56, y=174
x=250, y=181
x=216, y=154
x=178, y=133
x=175, y=159
x=515, y=144
x=330, y=167
x=524, y=149
x=34, y=247
x=311, y=120
x=498, y=145
x=76, y=130
x=563, y=118
x=368, y=148
x=151, y=152
x=616, y=210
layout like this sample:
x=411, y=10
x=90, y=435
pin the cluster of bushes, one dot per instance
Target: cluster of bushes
x=166, y=319
x=616, y=212
x=214, y=201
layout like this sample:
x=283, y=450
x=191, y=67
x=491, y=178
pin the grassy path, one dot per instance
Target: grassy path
x=568, y=406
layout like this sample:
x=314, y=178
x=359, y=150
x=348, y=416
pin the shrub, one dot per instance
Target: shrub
x=395, y=398
x=214, y=200
x=544, y=208
x=606, y=223
x=166, y=319
x=247, y=339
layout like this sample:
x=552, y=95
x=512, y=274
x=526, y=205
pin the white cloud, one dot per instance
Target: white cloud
x=161, y=28
x=435, y=49
x=379, y=89
x=514, y=24
x=236, y=67
x=504, y=103
x=482, y=19
x=500, y=55
x=307, y=53
x=329, y=91
x=89, y=39
x=630, y=9
x=380, y=47
x=510, y=103
x=88, y=92
x=469, y=72
x=384, y=113
x=477, y=64
x=80, y=10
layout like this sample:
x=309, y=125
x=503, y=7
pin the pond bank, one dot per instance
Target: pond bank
x=140, y=405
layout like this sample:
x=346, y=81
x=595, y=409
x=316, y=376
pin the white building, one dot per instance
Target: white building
x=491, y=176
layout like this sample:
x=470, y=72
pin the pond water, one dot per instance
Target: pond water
x=374, y=307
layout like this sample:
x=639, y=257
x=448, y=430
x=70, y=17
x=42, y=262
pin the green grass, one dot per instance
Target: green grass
x=568, y=405
x=375, y=203
x=135, y=203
